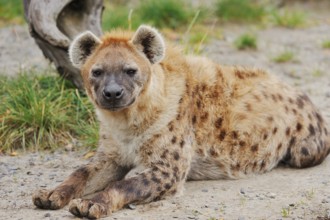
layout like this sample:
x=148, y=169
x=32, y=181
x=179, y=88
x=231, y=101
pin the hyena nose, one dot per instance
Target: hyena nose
x=113, y=92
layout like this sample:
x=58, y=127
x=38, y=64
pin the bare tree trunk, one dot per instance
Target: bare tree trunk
x=54, y=24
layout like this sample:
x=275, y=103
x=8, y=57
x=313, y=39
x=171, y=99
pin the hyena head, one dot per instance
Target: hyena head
x=116, y=68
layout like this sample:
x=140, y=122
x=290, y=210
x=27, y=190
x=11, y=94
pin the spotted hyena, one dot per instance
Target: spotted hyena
x=166, y=118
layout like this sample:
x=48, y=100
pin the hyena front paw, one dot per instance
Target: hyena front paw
x=51, y=199
x=88, y=208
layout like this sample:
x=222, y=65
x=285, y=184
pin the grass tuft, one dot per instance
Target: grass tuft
x=165, y=13
x=43, y=112
x=246, y=41
x=289, y=19
x=240, y=10
x=11, y=12
x=284, y=57
x=326, y=44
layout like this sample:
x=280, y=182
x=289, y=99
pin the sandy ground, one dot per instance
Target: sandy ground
x=280, y=194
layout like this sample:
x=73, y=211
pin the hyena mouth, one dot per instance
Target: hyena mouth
x=115, y=107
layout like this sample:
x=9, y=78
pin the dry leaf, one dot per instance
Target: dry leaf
x=89, y=155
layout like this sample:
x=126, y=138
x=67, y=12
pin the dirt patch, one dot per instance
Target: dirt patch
x=281, y=194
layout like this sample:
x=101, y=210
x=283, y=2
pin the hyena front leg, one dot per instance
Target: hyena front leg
x=85, y=180
x=159, y=180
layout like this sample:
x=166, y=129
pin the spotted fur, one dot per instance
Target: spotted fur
x=189, y=119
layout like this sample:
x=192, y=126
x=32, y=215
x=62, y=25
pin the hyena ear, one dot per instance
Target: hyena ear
x=81, y=47
x=150, y=42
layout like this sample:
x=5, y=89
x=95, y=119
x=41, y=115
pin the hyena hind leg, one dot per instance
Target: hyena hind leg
x=307, y=152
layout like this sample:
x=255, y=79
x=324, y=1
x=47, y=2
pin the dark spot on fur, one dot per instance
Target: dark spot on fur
x=203, y=87
x=218, y=123
x=292, y=142
x=182, y=143
x=290, y=100
x=309, y=116
x=288, y=131
x=300, y=103
x=265, y=136
x=159, y=188
x=319, y=118
x=155, y=169
x=157, y=135
x=279, y=146
x=294, y=111
x=222, y=135
x=200, y=151
x=254, y=148
x=304, y=151
x=326, y=131
x=234, y=134
x=176, y=155
x=170, y=127
x=194, y=119
x=280, y=97
x=274, y=98
x=298, y=127
x=155, y=179
x=311, y=129
x=213, y=153
x=270, y=118
x=248, y=107
x=173, y=140
x=199, y=104
x=165, y=174
x=286, y=109
x=275, y=130
x=145, y=182
x=164, y=154
x=167, y=186
x=204, y=116
x=239, y=74
x=257, y=98
x=181, y=100
x=242, y=143
x=178, y=117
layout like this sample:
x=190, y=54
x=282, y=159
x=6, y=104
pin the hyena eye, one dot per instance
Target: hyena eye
x=96, y=73
x=131, y=72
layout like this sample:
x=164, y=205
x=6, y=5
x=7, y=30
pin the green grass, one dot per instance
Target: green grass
x=246, y=41
x=288, y=18
x=240, y=10
x=159, y=13
x=43, y=112
x=165, y=13
x=119, y=16
x=284, y=57
x=11, y=12
x=326, y=44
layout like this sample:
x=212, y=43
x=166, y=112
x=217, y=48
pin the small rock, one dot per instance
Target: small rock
x=325, y=201
x=241, y=218
x=271, y=195
x=291, y=204
x=131, y=206
x=205, y=190
x=47, y=214
x=69, y=147
x=242, y=191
